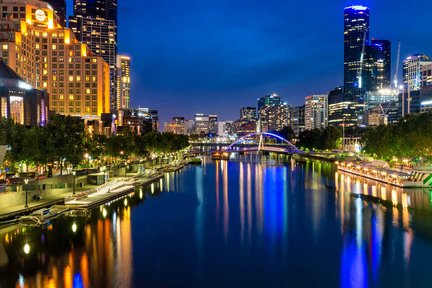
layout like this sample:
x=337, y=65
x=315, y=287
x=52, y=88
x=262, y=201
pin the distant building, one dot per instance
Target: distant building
x=269, y=100
x=176, y=126
x=273, y=113
x=225, y=128
x=138, y=120
x=243, y=127
x=378, y=65
x=413, y=71
x=248, y=112
x=201, y=124
x=213, y=124
x=19, y=101
x=316, y=110
x=380, y=96
x=123, y=81
x=298, y=119
x=341, y=109
x=382, y=114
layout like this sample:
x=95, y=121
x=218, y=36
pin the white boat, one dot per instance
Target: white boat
x=43, y=216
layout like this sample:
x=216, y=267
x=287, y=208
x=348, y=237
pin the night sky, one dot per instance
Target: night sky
x=214, y=56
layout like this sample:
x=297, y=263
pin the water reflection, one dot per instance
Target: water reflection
x=266, y=222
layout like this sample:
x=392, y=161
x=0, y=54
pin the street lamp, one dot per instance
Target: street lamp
x=74, y=174
x=26, y=186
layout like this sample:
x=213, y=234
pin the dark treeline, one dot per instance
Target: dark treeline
x=410, y=138
x=317, y=139
x=63, y=140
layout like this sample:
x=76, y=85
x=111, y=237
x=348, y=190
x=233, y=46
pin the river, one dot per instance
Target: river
x=251, y=222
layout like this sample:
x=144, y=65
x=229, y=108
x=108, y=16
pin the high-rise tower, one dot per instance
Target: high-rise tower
x=123, y=81
x=356, y=38
x=95, y=23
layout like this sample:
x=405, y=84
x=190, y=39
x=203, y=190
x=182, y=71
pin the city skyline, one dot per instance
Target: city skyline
x=266, y=48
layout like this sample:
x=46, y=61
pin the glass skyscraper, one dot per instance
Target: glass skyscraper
x=356, y=38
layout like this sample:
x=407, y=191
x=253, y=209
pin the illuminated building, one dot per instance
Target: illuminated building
x=59, y=7
x=298, y=119
x=316, y=112
x=268, y=100
x=176, y=126
x=427, y=75
x=377, y=66
x=138, y=120
x=244, y=127
x=19, y=101
x=356, y=36
x=426, y=99
x=341, y=109
x=412, y=71
x=273, y=113
x=225, y=128
x=248, y=112
x=382, y=114
x=48, y=57
x=95, y=23
x=201, y=124
x=213, y=124
x=123, y=81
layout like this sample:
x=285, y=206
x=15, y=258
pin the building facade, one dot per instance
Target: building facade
x=341, y=109
x=248, y=112
x=413, y=71
x=298, y=120
x=50, y=58
x=176, y=126
x=95, y=23
x=316, y=110
x=123, y=81
x=356, y=37
x=19, y=101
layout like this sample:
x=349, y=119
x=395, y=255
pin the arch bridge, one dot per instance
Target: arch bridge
x=257, y=142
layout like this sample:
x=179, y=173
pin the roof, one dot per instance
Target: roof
x=7, y=73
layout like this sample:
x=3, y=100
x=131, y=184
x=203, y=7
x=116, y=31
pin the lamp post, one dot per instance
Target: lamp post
x=74, y=174
x=26, y=187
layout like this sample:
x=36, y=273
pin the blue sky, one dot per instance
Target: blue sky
x=214, y=56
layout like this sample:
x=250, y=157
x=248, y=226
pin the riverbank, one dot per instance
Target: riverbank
x=131, y=179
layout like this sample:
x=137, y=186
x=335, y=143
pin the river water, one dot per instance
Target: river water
x=252, y=222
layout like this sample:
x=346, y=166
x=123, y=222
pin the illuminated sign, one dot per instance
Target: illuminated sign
x=40, y=15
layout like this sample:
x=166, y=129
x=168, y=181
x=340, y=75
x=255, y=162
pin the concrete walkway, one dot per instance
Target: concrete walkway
x=15, y=210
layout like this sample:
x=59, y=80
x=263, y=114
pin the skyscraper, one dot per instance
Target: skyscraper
x=59, y=7
x=49, y=57
x=412, y=71
x=123, y=81
x=95, y=23
x=356, y=38
x=382, y=49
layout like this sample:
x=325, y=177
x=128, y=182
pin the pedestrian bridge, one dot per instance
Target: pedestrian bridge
x=263, y=141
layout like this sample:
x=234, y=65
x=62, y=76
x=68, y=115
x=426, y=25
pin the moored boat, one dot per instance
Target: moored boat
x=380, y=171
